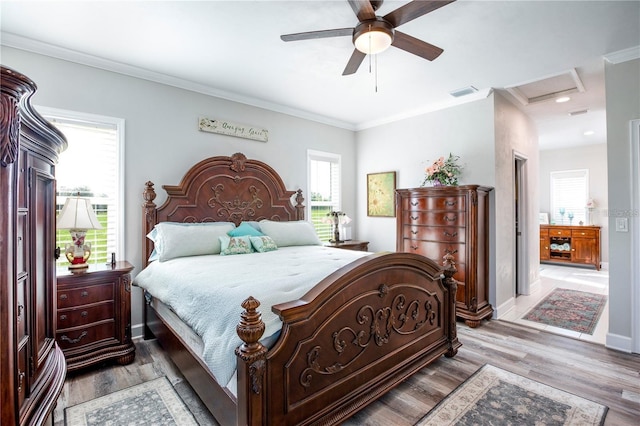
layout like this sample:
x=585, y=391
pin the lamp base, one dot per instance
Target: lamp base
x=78, y=268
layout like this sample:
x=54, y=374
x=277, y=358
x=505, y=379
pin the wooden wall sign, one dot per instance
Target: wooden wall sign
x=229, y=128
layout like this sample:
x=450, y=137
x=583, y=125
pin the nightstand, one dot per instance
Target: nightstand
x=94, y=315
x=350, y=245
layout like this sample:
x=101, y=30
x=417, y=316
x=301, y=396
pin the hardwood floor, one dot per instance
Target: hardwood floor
x=585, y=369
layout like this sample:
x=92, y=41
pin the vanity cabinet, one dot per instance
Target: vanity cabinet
x=565, y=244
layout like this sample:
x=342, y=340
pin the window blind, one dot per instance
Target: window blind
x=569, y=195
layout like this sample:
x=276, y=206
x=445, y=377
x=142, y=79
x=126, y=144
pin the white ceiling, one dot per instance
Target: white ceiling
x=232, y=49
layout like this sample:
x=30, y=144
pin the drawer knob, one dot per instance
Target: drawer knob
x=414, y=203
x=73, y=341
x=447, y=234
x=84, y=293
x=450, y=203
x=63, y=317
x=582, y=233
x=451, y=219
x=83, y=314
x=63, y=297
x=414, y=217
x=447, y=251
x=414, y=232
x=414, y=247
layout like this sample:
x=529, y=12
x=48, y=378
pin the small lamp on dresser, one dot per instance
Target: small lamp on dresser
x=78, y=217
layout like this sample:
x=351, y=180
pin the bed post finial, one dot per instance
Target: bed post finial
x=251, y=365
x=149, y=219
x=452, y=285
x=299, y=205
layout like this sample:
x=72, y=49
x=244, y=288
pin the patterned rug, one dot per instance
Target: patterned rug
x=150, y=403
x=492, y=396
x=570, y=309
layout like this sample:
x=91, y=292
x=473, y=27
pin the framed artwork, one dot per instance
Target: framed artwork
x=381, y=191
x=543, y=218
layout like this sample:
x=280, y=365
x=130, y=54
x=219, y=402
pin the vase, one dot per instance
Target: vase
x=436, y=182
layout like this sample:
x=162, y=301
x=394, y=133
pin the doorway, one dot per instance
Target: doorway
x=520, y=225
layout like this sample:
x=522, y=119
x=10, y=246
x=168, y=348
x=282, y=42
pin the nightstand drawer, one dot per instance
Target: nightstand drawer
x=84, y=315
x=81, y=336
x=85, y=295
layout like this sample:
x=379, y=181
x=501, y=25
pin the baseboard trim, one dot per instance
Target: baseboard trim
x=137, y=331
x=504, y=308
x=619, y=343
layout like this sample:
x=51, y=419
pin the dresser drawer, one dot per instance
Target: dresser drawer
x=436, y=251
x=449, y=234
x=74, y=317
x=81, y=336
x=434, y=218
x=435, y=203
x=85, y=295
x=559, y=232
x=586, y=233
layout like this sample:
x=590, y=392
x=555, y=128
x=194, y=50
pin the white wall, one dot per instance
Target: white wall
x=623, y=105
x=515, y=133
x=592, y=158
x=409, y=146
x=162, y=139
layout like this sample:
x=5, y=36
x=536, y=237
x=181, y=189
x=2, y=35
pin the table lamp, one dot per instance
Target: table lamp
x=77, y=216
x=338, y=218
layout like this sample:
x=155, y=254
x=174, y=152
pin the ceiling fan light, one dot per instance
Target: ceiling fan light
x=372, y=42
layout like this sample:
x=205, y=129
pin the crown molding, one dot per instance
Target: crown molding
x=46, y=49
x=623, y=55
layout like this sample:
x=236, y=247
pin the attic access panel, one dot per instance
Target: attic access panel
x=547, y=88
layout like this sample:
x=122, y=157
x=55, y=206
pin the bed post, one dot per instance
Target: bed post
x=452, y=286
x=251, y=366
x=149, y=220
x=299, y=205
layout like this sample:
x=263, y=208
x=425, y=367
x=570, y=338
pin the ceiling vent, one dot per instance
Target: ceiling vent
x=463, y=91
x=547, y=88
x=578, y=111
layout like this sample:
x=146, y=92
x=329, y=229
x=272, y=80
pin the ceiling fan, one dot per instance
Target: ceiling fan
x=374, y=34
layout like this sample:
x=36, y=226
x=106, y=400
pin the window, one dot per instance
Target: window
x=569, y=195
x=324, y=190
x=92, y=166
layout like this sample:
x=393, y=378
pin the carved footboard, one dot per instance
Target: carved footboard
x=353, y=337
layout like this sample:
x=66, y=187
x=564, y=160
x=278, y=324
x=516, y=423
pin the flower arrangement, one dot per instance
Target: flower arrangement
x=591, y=204
x=443, y=172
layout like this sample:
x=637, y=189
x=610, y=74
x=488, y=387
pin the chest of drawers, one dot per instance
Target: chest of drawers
x=94, y=315
x=452, y=220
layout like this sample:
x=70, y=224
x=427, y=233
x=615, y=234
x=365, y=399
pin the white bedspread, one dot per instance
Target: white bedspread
x=206, y=291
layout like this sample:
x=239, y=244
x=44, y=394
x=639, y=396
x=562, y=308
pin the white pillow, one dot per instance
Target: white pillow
x=294, y=233
x=174, y=239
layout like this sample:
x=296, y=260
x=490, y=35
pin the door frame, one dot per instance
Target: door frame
x=521, y=285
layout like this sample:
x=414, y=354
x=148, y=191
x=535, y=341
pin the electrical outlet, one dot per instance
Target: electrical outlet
x=622, y=224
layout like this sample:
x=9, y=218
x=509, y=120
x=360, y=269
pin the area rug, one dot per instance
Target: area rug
x=569, y=309
x=150, y=403
x=492, y=396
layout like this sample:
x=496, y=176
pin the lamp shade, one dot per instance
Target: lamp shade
x=77, y=213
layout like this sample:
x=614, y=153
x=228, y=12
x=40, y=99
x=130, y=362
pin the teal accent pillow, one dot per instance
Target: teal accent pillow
x=234, y=245
x=244, y=229
x=263, y=244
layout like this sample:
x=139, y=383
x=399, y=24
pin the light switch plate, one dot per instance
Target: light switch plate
x=622, y=224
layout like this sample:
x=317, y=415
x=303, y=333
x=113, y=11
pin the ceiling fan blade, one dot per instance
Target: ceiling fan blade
x=354, y=62
x=417, y=47
x=362, y=9
x=413, y=10
x=338, y=32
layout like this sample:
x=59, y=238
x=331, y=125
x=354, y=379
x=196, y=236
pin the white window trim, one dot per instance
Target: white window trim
x=119, y=123
x=322, y=155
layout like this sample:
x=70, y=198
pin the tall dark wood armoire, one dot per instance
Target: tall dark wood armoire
x=439, y=220
x=32, y=366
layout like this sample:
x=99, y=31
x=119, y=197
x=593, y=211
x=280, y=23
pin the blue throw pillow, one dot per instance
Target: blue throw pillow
x=244, y=229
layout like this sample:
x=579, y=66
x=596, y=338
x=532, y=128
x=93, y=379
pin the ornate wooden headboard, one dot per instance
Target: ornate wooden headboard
x=222, y=189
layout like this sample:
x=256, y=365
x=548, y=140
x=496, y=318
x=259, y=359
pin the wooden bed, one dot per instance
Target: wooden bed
x=355, y=335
